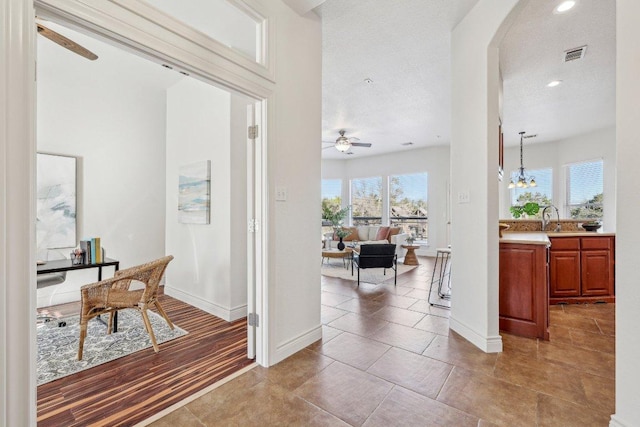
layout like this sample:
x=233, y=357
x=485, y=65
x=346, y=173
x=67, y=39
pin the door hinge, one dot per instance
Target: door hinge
x=254, y=225
x=254, y=319
x=253, y=132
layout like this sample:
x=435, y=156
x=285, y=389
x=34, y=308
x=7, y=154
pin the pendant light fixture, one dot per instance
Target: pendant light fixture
x=523, y=180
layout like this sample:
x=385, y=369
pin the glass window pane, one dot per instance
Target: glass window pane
x=331, y=196
x=219, y=20
x=366, y=201
x=408, y=196
x=542, y=193
x=585, y=190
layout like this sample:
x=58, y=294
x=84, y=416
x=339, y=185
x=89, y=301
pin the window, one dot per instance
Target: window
x=366, y=201
x=408, y=204
x=542, y=193
x=585, y=190
x=331, y=196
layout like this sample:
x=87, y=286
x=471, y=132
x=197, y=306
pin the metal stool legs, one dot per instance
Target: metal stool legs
x=443, y=277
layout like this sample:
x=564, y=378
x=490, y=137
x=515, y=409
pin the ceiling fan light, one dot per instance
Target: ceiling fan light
x=565, y=6
x=343, y=144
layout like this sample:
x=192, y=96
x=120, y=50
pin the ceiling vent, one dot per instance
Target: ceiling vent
x=575, y=53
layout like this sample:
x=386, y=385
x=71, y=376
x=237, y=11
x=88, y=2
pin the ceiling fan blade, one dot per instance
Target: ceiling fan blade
x=66, y=43
x=330, y=146
x=361, y=144
x=353, y=139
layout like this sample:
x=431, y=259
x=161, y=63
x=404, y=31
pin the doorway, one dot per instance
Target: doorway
x=249, y=257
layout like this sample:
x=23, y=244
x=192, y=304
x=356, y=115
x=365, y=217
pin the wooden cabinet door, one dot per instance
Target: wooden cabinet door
x=597, y=272
x=564, y=274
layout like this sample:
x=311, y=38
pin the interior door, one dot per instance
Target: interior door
x=255, y=263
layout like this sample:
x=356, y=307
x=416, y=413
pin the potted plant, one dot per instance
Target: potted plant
x=335, y=217
x=528, y=209
x=342, y=233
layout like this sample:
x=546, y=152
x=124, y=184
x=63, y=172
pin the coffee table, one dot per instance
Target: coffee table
x=334, y=253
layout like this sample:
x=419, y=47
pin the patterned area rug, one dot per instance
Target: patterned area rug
x=58, y=346
x=335, y=268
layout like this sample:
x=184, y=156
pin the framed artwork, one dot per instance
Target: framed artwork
x=194, y=192
x=56, y=201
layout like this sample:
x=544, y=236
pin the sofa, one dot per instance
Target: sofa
x=368, y=234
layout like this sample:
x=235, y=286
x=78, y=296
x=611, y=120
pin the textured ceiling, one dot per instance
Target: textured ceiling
x=404, y=47
x=532, y=55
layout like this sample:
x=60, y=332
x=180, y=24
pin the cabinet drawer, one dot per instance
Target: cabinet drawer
x=596, y=243
x=565, y=243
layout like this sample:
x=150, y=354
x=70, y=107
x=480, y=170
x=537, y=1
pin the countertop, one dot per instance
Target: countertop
x=579, y=234
x=526, y=237
x=542, y=238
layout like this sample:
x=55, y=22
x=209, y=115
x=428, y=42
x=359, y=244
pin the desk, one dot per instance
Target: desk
x=60, y=265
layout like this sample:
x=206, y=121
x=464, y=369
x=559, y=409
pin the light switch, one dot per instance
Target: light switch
x=281, y=194
x=463, y=196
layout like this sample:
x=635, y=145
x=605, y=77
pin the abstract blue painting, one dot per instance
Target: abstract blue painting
x=56, y=201
x=194, y=189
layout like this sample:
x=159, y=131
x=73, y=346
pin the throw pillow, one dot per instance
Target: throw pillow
x=353, y=235
x=373, y=232
x=383, y=233
x=393, y=231
x=363, y=232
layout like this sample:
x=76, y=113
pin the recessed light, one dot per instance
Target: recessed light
x=565, y=6
x=554, y=83
x=368, y=80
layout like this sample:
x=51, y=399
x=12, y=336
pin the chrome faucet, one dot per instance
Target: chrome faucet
x=546, y=218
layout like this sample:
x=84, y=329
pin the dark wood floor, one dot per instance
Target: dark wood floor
x=130, y=389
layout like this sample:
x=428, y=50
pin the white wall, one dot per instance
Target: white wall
x=199, y=128
x=294, y=162
x=113, y=121
x=627, y=177
x=593, y=146
x=434, y=161
x=474, y=150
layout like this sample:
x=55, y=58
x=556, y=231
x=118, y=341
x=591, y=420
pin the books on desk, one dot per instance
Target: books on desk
x=93, y=250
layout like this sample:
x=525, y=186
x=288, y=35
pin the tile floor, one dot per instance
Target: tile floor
x=387, y=358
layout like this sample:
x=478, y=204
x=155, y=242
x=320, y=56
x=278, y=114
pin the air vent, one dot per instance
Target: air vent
x=407, y=143
x=576, y=53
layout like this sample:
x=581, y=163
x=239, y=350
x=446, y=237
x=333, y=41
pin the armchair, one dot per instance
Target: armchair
x=376, y=256
x=111, y=295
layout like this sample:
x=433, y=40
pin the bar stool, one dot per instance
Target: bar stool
x=442, y=266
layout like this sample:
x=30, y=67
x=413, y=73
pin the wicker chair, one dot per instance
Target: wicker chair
x=111, y=295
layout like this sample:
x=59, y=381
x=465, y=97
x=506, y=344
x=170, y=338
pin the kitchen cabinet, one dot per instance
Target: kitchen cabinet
x=581, y=269
x=524, y=295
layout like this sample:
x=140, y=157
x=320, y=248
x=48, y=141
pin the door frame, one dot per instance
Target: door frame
x=165, y=40
x=112, y=22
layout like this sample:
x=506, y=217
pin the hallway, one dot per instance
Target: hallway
x=388, y=358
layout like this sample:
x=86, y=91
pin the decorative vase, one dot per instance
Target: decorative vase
x=341, y=245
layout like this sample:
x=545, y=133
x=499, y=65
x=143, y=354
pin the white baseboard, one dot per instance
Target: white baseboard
x=296, y=344
x=228, y=314
x=491, y=344
x=616, y=422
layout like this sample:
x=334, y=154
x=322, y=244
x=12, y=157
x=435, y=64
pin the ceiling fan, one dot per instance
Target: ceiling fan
x=344, y=144
x=65, y=42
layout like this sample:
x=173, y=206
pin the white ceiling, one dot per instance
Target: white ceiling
x=405, y=50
